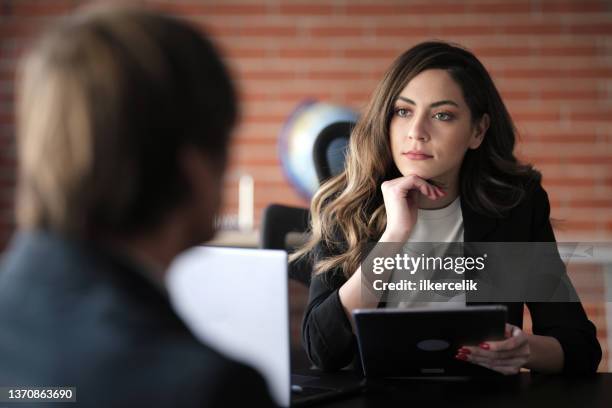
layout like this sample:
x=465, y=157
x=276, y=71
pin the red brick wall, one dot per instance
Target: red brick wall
x=552, y=61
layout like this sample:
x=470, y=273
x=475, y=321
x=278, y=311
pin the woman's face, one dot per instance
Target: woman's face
x=431, y=128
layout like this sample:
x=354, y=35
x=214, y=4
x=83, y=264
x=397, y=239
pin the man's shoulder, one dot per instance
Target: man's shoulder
x=211, y=379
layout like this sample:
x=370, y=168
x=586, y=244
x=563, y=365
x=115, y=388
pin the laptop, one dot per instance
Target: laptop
x=418, y=342
x=237, y=301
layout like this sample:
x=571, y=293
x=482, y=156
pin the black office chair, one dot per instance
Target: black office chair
x=329, y=149
x=277, y=223
x=279, y=220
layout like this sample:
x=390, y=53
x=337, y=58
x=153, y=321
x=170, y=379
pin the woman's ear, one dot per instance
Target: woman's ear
x=479, y=131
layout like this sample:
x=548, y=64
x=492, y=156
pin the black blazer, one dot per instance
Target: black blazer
x=76, y=315
x=330, y=342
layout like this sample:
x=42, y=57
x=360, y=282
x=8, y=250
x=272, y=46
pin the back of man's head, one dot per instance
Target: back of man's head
x=107, y=101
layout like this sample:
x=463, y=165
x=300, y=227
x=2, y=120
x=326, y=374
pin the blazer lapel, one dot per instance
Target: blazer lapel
x=476, y=228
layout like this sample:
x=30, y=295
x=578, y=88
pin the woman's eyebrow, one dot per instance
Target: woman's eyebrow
x=433, y=105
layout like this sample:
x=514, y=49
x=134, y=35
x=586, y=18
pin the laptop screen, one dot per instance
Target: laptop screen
x=236, y=301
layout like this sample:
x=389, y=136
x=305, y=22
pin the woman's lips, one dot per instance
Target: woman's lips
x=417, y=156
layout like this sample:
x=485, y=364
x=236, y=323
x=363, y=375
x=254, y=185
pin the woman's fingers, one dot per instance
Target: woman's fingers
x=519, y=358
x=506, y=356
x=518, y=339
x=412, y=182
x=506, y=345
x=475, y=351
x=430, y=193
x=400, y=198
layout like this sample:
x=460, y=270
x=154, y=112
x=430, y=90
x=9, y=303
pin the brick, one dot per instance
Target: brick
x=572, y=160
x=403, y=31
x=581, y=6
x=255, y=161
x=319, y=94
x=254, y=141
x=536, y=116
x=561, y=73
x=305, y=9
x=500, y=7
x=304, y=53
x=335, y=75
x=499, y=51
x=573, y=138
x=253, y=31
x=336, y=31
x=568, y=181
x=602, y=116
x=264, y=119
x=197, y=8
x=577, y=225
x=517, y=94
x=247, y=52
x=591, y=203
x=533, y=29
x=589, y=50
x=35, y=8
x=570, y=94
x=265, y=75
x=371, y=53
x=593, y=28
x=404, y=9
x=462, y=30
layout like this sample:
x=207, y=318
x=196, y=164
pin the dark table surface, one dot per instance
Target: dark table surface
x=523, y=390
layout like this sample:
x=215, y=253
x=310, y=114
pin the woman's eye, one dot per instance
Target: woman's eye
x=401, y=112
x=443, y=116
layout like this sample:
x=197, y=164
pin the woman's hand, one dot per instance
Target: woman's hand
x=400, y=197
x=505, y=356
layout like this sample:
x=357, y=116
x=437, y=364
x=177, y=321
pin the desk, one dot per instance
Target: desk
x=250, y=239
x=234, y=238
x=523, y=390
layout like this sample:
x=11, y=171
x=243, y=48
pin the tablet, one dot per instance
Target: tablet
x=396, y=343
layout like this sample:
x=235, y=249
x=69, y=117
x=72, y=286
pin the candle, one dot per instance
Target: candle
x=245, y=202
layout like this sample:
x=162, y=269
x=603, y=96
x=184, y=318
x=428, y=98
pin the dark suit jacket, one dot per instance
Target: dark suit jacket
x=75, y=315
x=330, y=342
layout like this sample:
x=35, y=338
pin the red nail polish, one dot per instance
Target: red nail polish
x=484, y=346
x=464, y=350
x=462, y=357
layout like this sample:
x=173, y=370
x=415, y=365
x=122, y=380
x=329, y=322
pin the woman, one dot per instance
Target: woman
x=431, y=160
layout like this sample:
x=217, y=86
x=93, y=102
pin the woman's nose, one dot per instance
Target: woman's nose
x=418, y=130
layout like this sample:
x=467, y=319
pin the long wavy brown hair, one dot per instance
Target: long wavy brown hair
x=348, y=211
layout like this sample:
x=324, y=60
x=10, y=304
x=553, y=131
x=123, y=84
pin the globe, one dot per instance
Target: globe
x=297, y=138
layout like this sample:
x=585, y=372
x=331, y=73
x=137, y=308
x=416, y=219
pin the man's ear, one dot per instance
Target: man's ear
x=479, y=131
x=194, y=167
x=204, y=177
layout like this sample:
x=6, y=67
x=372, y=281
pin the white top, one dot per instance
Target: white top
x=439, y=225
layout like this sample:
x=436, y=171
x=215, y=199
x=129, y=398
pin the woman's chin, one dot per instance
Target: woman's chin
x=425, y=175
